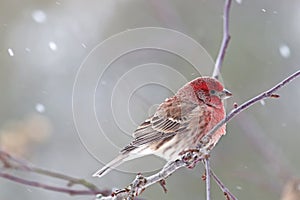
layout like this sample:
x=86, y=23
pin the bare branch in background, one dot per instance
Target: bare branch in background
x=10, y=162
x=49, y=187
x=278, y=165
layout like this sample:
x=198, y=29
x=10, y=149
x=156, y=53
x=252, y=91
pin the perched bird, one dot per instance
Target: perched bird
x=178, y=124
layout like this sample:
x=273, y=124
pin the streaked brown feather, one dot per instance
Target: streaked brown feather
x=165, y=123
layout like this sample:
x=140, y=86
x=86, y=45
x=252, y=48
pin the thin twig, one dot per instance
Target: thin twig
x=10, y=162
x=225, y=40
x=207, y=177
x=52, y=188
x=222, y=186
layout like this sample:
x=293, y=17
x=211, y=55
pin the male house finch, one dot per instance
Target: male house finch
x=179, y=124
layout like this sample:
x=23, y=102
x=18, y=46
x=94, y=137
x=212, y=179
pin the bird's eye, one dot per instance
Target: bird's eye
x=212, y=92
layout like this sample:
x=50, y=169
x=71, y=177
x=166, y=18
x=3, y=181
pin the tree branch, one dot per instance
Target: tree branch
x=225, y=40
x=139, y=184
x=52, y=188
x=10, y=162
x=226, y=192
x=207, y=177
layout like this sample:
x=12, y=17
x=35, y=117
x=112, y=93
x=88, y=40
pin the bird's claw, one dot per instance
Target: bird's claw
x=191, y=157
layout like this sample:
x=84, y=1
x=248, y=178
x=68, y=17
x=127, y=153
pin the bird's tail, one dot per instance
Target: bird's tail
x=111, y=165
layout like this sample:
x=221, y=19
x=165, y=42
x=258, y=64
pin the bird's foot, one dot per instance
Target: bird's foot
x=133, y=190
x=191, y=157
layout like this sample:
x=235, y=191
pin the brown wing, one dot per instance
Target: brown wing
x=170, y=117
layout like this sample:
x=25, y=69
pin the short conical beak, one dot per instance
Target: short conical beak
x=226, y=94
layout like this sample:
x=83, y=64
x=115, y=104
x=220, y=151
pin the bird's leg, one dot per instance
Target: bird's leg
x=189, y=151
x=191, y=157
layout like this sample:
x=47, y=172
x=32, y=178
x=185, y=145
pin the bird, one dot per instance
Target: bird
x=178, y=124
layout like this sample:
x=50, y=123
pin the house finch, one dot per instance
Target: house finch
x=179, y=124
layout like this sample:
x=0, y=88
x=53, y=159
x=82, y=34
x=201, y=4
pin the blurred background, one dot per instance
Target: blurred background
x=64, y=109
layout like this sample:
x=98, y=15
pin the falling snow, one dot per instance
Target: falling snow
x=40, y=108
x=263, y=10
x=52, y=46
x=239, y=187
x=28, y=190
x=27, y=50
x=262, y=102
x=83, y=45
x=239, y=1
x=10, y=52
x=39, y=16
x=284, y=51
